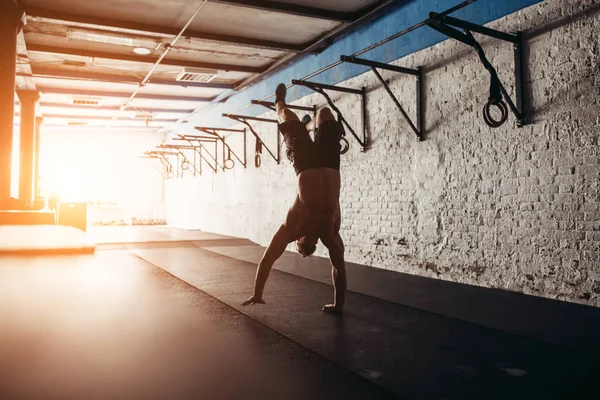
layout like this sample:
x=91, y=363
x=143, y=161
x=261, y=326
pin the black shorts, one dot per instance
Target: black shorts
x=306, y=154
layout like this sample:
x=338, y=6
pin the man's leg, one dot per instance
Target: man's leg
x=284, y=114
x=289, y=231
x=335, y=245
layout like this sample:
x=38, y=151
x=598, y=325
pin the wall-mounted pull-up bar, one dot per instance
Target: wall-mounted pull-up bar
x=259, y=142
x=183, y=162
x=198, y=150
x=228, y=162
x=163, y=157
x=498, y=94
x=418, y=128
x=156, y=157
x=320, y=88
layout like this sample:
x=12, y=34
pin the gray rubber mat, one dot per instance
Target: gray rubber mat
x=413, y=353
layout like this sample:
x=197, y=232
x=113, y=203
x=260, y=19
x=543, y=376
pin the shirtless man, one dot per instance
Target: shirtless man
x=315, y=213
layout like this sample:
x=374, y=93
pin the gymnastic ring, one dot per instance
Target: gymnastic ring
x=345, y=146
x=170, y=175
x=257, y=161
x=229, y=163
x=487, y=115
x=185, y=165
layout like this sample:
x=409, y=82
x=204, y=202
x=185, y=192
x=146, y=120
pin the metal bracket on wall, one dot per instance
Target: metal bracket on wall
x=184, y=163
x=498, y=94
x=163, y=157
x=259, y=142
x=418, y=73
x=155, y=157
x=321, y=87
x=228, y=162
x=198, y=150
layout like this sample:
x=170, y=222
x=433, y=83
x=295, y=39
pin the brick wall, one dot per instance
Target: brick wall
x=511, y=208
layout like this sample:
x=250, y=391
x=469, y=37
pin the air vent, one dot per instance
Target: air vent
x=196, y=75
x=86, y=101
x=76, y=123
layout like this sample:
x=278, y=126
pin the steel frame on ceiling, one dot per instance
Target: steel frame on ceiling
x=55, y=73
x=107, y=93
x=140, y=59
x=36, y=12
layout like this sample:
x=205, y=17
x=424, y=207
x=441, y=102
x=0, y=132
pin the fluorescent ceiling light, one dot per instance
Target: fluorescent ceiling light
x=101, y=38
x=113, y=38
x=142, y=51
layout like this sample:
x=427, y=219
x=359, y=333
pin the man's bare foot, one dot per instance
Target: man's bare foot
x=332, y=309
x=253, y=300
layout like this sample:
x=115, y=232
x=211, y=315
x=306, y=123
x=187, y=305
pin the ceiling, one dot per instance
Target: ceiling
x=80, y=54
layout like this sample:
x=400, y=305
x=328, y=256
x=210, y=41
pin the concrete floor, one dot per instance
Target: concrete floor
x=160, y=317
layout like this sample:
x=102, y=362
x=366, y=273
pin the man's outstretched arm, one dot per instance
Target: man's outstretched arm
x=273, y=252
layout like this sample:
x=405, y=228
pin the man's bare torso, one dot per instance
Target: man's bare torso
x=316, y=211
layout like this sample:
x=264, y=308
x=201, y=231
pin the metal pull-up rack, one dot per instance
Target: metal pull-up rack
x=320, y=88
x=259, y=142
x=183, y=163
x=441, y=22
x=162, y=156
x=228, y=162
x=498, y=94
x=200, y=149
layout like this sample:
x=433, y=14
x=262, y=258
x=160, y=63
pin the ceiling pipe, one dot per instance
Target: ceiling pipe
x=168, y=48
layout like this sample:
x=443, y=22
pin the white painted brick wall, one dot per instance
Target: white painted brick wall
x=509, y=208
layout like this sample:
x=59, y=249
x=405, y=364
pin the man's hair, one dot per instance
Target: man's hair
x=304, y=248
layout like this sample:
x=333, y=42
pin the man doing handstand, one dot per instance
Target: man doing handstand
x=315, y=213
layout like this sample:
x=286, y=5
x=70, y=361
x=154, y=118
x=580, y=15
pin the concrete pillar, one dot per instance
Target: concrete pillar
x=29, y=99
x=39, y=121
x=10, y=24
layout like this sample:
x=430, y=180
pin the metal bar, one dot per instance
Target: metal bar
x=222, y=139
x=140, y=59
x=509, y=37
x=243, y=120
x=55, y=73
x=238, y=117
x=114, y=108
x=290, y=8
x=362, y=18
x=279, y=66
x=375, y=64
x=324, y=86
x=402, y=111
x=365, y=141
x=159, y=30
x=341, y=117
x=100, y=118
x=420, y=105
x=102, y=93
x=207, y=161
x=201, y=128
x=451, y=32
x=271, y=105
x=197, y=138
x=520, y=80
